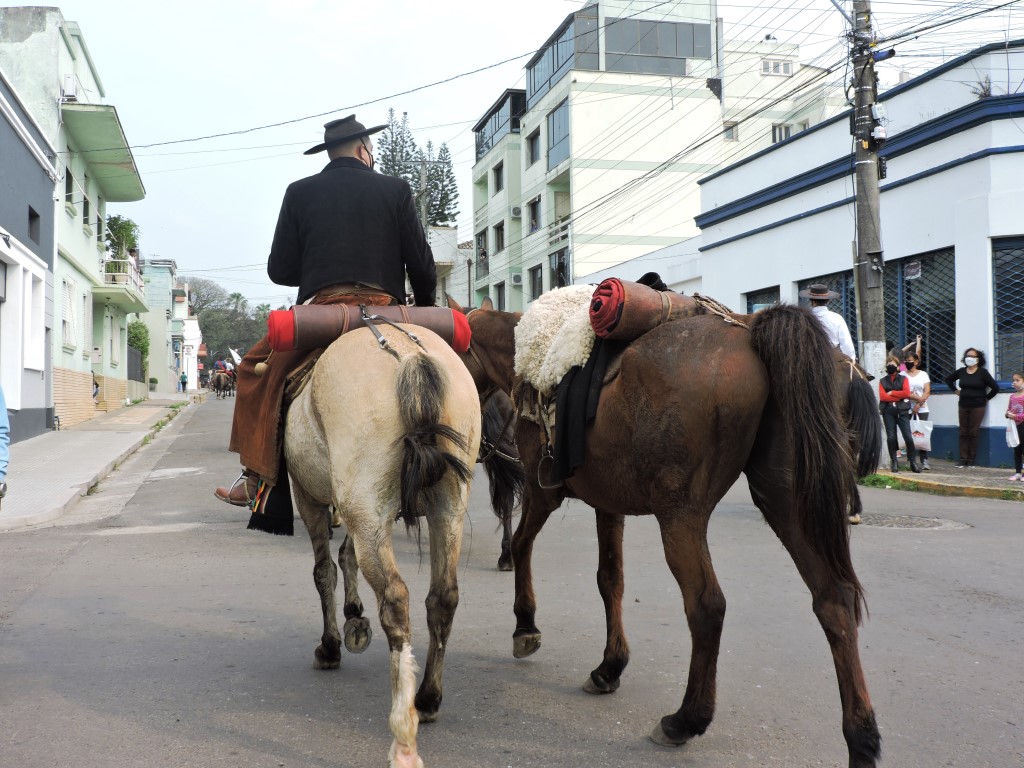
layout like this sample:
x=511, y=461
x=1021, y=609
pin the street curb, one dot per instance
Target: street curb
x=944, y=489
x=74, y=493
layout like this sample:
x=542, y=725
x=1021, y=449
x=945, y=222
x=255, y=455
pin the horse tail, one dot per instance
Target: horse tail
x=421, y=388
x=794, y=348
x=864, y=425
x=506, y=476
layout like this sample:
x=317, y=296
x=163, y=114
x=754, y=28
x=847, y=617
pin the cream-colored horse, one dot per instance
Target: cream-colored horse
x=380, y=429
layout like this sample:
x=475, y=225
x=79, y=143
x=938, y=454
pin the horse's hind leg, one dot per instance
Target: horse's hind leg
x=686, y=551
x=505, y=558
x=325, y=576
x=605, y=679
x=377, y=563
x=835, y=605
x=445, y=543
x=357, y=629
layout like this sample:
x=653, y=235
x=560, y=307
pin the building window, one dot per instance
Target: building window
x=499, y=177
x=86, y=325
x=559, y=262
x=69, y=185
x=758, y=300
x=536, y=275
x=1008, y=295
x=499, y=237
x=69, y=331
x=34, y=225
x=776, y=67
x=558, y=134
x=731, y=131
x=533, y=147
x=499, y=296
x=534, y=215
x=781, y=132
x=654, y=47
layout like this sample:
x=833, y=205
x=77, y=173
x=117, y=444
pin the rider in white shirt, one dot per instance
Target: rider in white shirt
x=832, y=322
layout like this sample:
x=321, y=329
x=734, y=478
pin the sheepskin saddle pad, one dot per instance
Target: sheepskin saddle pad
x=554, y=335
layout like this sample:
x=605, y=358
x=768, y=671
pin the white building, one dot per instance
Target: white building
x=952, y=227
x=595, y=163
x=27, y=251
x=46, y=58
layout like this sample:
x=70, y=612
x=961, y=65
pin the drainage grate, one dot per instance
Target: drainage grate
x=911, y=521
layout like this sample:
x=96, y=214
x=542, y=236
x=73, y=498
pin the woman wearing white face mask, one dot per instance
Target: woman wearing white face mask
x=974, y=386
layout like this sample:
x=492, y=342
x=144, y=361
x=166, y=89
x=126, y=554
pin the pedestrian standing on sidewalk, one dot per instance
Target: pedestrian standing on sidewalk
x=5, y=443
x=1015, y=411
x=920, y=391
x=974, y=386
x=183, y=381
x=894, y=405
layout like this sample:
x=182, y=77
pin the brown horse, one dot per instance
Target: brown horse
x=664, y=442
x=222, y=384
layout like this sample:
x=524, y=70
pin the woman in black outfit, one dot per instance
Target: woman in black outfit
x=976, y=388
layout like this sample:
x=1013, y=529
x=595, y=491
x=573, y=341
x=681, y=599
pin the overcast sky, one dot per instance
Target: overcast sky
x=185, y=70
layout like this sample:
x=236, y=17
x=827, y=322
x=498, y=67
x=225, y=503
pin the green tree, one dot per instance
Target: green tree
x=443, y=204
x=204, y=294
x=138, y=337
x=122, y=236
x=396, y=150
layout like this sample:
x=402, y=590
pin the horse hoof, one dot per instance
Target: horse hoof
x=598, y=685
x=323, y=660
x=525, y=645
x=357, y=634
x=658, y=736
x=505, y=563
x=428, y=717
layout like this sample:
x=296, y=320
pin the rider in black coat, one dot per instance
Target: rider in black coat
x=348, y=224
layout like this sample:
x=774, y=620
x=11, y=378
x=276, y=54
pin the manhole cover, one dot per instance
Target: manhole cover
x=912, y=521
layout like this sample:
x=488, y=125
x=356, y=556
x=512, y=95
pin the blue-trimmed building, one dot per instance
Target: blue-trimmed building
x=952, y=225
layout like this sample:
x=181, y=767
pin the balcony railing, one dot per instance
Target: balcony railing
x=123, y=272
x=558, y=231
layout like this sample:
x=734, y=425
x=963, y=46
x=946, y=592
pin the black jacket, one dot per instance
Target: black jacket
x=348, y=224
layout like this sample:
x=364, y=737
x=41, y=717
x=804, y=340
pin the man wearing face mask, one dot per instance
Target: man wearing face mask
x=345, y=235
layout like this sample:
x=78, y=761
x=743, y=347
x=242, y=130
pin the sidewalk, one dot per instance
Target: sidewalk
x=947, y=480
x=49, y=473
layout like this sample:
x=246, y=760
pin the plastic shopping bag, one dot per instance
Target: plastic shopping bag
x=922, y=432
x=1012, y=437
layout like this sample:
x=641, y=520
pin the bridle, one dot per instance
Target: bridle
x=491, y=390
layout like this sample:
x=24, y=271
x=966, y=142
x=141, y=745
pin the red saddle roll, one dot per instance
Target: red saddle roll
x=624, y=310
x=312, y=326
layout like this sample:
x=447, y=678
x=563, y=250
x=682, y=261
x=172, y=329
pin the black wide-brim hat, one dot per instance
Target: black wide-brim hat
x=340, y=131
x=818, y=291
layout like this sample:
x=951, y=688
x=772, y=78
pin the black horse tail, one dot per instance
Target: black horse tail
x=421, y=388
x=864, y=425
x=506, y=475
x=794, y=348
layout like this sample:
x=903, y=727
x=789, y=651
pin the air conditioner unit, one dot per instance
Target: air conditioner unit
x=517, y=278
x=515, y=212
x=71, y=86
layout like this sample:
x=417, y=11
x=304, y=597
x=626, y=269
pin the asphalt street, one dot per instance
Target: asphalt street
x=147, y=628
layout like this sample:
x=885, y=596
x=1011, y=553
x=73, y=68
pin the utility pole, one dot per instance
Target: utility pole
x=868, y=135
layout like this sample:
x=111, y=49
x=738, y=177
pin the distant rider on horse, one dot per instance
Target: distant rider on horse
x=346, y=235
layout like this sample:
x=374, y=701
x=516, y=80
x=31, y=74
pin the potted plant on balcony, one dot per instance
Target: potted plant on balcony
x=122, y=236
x=117, y=268
x=152, y=384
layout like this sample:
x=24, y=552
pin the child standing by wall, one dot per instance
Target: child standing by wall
x=1015, y=411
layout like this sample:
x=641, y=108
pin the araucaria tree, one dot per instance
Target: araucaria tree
x=398, y=155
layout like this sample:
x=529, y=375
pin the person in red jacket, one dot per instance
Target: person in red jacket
x=893, y=394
